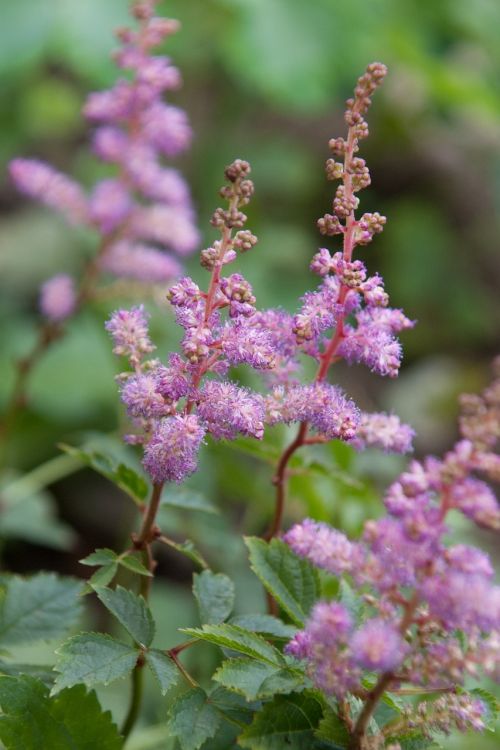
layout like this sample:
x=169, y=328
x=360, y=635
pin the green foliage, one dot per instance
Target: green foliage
x=93, y=658
x=43, y=607
x=256, y=680
x=214, y=593
x=71, y=720
x=287, y=721
x=492, y=705
x=192, y=719
x=270, y=626
x=293, y=582
x=238, y=639
x=163, y=668
x=131, y=611
x=125, y=477
x=332, y=729
x=187, y=499
x=109, y=562
x=188, y=549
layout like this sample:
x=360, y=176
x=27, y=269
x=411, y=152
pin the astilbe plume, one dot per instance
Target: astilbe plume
x=346, y=317
x=175, y=405
x=432, y=609
x=143, y=201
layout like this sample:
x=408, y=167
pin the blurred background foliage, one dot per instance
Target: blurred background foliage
x=264, y=80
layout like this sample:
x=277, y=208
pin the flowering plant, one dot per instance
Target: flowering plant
x=368, y=643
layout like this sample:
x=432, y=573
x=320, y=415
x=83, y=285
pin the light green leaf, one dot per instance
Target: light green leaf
x=491, y=703
x=126, y=478
x=287, y=721
x=72, y=720
x=187, y=548
x=131, y=611
x=102, y=556
x=256, y=680
x=332, y=729
x=187, y=499
x=102, y=577
x=293, y=582
x=132, y=562
x=214, y=593
x=34, y=519
x=43, y=607
x=238, y=639
x=192, y=719
x=93, y=658
x=266, y=624
x=163, y=669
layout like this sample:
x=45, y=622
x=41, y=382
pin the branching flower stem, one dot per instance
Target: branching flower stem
x=326, y=358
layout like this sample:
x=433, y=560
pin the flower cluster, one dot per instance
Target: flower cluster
x=175, y=405
x=145, y=201
x=431, y=612
x=347, y=316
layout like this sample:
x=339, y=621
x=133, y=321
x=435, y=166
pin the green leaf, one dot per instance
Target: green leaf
x=351, y=601
x=291, y=581
x=187, y=499
x=102, y=577
x=192, y=719
x=287, y=721
x=238, y=639
x=131, y=611
x=332, y=729
x=187, y=548
x=163, y=669
x=214, y=593
x=132, y=562
x=126, y=478
x=34, y=519
x=255, y=680
x=266, y=624
x=72, y=720
x=93, y=658
x=414, y=741
x=42, y=672
x=43, y=607
x=102, y=556
x=491, y=703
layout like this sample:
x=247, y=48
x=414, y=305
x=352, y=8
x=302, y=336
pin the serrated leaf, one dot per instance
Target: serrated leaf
x=238, y=639
x=293, y=582
x=214, y=593
x=131, y=562
x=93, y=658
x=491, y=703
x=187, y=548
x=72, y=720
x=265, y=624
x=163, y=669
x=43, y=607
x=192, y=719
x=126, y=478
x=287, y=721
x=187, y=499
x=131, y=611
x=332, y=729
x=102, y=556
x=256, y=680
x=102, y=577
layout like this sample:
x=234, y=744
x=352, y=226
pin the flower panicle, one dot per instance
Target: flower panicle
x=143, y=212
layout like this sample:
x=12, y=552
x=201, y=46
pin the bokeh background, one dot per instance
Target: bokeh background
x=264, y=80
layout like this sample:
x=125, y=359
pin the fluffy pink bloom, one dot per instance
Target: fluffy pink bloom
x=58, y=297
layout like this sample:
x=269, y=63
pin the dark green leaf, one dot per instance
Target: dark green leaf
x=332, y=729
x=72, y=720
x=131, y=611
x=192, y=719
x=126, y=478
x=254, y=679
x=93, y=658
x=163, y=669
x=238, y=639
x=187, y=499
x=43, y=607
x=287, y=721
x=265, y=624
x=214, y=593
x=291, y=581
